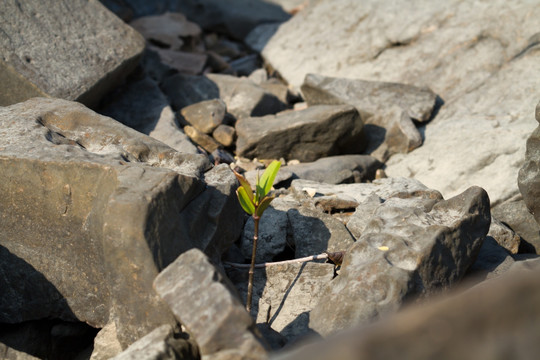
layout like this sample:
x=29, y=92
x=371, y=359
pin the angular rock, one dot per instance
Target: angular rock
x=159, y=344
x=92, y=211
x=235, y=17
x=504, y=236
x=404, y=251
x=190, y=63
x=244, y=98
x=245, y=65
x=205, y=302
x=198, y=137
x=91, y=48
x=224, y=134
x=259, y=36
x=142, y=106
x=205, y=116
x=515, y=214
x=184, y=90
x=106, y=344
x=448, y=328
x=337, y=169
x=166, y=30
x=304, y=135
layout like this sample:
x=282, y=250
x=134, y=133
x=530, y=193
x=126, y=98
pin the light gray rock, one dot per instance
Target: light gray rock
x=141, y=105
x=336, y=169
x=205, y=116
x=303, y=135
x=205, y=302
x=410, y=247
x=106, y=344
x=75, y=50
x=448, y=327
x=99, y=210
x=244, y=98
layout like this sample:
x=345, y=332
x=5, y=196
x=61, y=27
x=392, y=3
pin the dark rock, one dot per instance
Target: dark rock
x=205, y=116
x=493, y=260
x=449, y=327
x=259, y=36
x=190, y=63
x=159, y=344
x=93, y=210
x=206, y=303
x=410, y=247
x=141, y=105
x=515, y=214
x=304, y=135
x=235, y=18
x=185, y=90
x=337, y=169
x=73, y=50
x=224, y=134
x=245, y=65
x=244, y=98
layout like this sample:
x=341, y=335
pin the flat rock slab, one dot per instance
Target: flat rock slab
x=74, y=50
x=410, y=247
x=91, y=212
x=206, y=303
x=305, y=135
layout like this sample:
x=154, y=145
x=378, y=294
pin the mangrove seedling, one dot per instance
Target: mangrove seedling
x=254, y=202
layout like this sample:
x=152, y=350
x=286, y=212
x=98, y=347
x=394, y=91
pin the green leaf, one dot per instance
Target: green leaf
x=245, y=201
x=245, y=184
x=267, y=179
x=263, y=205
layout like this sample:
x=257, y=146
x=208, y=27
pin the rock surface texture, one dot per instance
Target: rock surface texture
x=91, y=212
x=74, y=50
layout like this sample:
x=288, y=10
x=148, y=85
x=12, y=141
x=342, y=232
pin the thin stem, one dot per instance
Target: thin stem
x=252, y=266
x=266, y=264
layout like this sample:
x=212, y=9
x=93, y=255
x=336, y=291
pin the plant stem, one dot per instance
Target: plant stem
x=252, y=266
x=267, y=264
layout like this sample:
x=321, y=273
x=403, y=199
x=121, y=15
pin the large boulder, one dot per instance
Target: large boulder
x=74, y=50
x=471, y=54
x=92, y=211
x=305, y=135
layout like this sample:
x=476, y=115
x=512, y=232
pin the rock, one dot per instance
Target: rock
x=244, y=98
x=205, y=302
x=515, y=214
x=302, y=135
x=167, y=30
x=504, y=236
x=153, y=66
x=259, y=76
x=337, y=169
x=410, y=247
x=184, y=90
x=235, y=18
x=93, y=210
x=272, y=233
x=284, y=295
x=448, y=327
x=245, y=65
x=278, y=89
x=142, y=106
x=159, y=344
x=205, y=116
x=493, y=260
x=184, y=62
x=224, y=134
x=106, y=344
x=198, y=137
x=91, y=49
x=528, y=182
x=260, y=35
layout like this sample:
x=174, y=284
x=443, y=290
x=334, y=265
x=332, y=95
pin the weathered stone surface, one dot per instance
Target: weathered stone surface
x=75, y=50
x=206, y=142
x=409, y=247
x=448, y=328
x=235, y=17
x=504, y=236
x=184, y=62
x=260, y=35
x=106, y=344
x=515, y=214
x=337, y=169
x=244, y=98
x=304, y=135
x=205, y=116
x=224, y=134
x=205, y=302
x=142, y=106
x=92, y=210
x=166, y=30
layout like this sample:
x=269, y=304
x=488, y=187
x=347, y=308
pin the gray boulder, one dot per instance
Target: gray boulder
x=93, y=211
x=305, y=135
x=205, y=302
x=142, y=106
x=410, y=247
x=205, y=116
x=74, y=50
